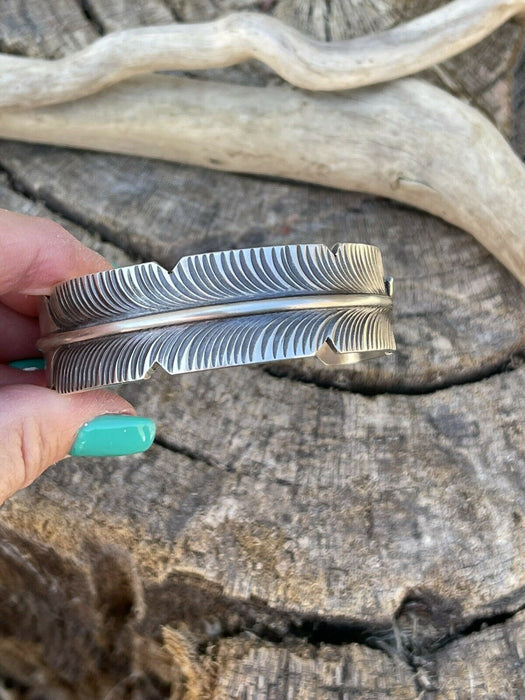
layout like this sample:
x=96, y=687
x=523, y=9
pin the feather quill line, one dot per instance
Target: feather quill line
x=213, y=312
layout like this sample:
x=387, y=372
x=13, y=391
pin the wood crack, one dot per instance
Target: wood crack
x=173, y=11
x=91, y=16
x=290, y=371
x=198, y=610
x=420, y=629
x=55, y=206
x=191, y=454
x=326, y=505
x=423, y=624
x=511, y=363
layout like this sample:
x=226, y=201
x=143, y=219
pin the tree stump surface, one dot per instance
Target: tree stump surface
x=294, y=532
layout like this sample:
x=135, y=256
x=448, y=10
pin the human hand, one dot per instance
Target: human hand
x=38, y=427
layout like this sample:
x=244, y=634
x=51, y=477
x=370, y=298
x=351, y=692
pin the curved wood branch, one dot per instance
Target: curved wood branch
x=407, y=140
x=302, y=61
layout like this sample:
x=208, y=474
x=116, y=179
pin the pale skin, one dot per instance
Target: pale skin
x=37, y=425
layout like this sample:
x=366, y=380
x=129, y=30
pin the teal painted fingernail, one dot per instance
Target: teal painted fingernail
x=33, y=363
x=114, y=435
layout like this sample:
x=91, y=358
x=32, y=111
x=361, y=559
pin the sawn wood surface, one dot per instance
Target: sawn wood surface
x=294, y=532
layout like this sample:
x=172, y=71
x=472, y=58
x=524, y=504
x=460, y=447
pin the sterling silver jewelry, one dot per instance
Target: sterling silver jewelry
x=218, y=310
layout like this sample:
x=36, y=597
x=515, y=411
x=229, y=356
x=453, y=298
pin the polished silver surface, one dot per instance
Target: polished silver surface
x=218, y=310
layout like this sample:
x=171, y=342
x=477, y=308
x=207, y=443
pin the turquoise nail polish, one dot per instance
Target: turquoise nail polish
x=33, y=363
x=114, y=435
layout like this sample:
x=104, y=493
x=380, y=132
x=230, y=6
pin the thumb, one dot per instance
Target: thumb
x=38, y=427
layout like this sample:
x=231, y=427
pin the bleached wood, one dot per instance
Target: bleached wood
x=407, y=140
x=331, y=502
x=301, y=60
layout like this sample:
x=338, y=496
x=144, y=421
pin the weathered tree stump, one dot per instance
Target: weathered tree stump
x=294, y=532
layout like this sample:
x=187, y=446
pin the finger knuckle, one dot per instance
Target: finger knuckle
x=50, y=227
x=29, y=450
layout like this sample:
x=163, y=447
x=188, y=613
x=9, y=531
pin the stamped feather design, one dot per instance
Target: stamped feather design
x=219, y=310
x=212, y=278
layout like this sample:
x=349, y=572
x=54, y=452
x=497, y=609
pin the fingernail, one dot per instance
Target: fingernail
x=29, y=365
x=114, y=435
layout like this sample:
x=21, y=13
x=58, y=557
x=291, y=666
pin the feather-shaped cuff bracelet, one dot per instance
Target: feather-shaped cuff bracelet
x=218, y=310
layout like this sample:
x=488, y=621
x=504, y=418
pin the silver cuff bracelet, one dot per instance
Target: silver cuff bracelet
x=218, y=310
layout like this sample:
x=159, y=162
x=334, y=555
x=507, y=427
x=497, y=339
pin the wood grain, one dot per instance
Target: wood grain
x=400, y=491
x=458, y=313
x=367, y=552
x=286, y=536
x=300, y=60
x=406, y=140
x=44, y=29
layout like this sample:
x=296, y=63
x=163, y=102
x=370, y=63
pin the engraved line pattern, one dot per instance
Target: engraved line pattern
x=213, y=278
x=224, y=343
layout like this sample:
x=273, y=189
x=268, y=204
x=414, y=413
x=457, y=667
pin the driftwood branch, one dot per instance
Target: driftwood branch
x=433, y=152
x=302, y=61
x=407, y=140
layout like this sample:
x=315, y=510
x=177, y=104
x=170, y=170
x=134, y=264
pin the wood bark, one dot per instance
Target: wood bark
x=295, y=533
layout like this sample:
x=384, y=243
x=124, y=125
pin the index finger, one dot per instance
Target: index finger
x=37, y=253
